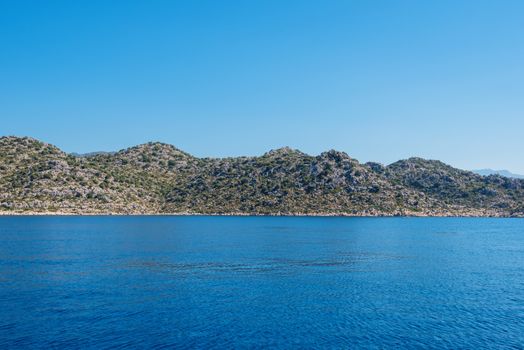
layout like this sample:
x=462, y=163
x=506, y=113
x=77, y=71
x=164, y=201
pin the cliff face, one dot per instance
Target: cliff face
x=159, y=178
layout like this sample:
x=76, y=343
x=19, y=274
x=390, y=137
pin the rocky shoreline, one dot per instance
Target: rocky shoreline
x=243, y=214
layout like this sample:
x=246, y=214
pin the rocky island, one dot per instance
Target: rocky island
x=157, y=178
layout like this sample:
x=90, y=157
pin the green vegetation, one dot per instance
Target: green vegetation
x=158, y=178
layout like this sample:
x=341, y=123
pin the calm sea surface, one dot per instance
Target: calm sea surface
x=250, y=282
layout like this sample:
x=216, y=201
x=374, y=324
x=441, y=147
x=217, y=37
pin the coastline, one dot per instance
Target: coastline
x=243, y=214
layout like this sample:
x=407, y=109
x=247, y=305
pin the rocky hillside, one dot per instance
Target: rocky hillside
x=36, y=177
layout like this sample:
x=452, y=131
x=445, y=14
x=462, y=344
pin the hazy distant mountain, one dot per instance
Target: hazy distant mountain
x=506, y=173
x=159, y=178
x=91, y=154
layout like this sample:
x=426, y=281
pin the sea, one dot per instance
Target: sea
x=210, y=282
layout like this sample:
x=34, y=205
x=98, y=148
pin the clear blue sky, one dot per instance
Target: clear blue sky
x=380, y=80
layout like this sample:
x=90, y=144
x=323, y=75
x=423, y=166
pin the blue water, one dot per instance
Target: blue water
x=252, y=282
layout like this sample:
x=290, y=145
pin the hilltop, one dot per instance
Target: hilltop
x=157, y=178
